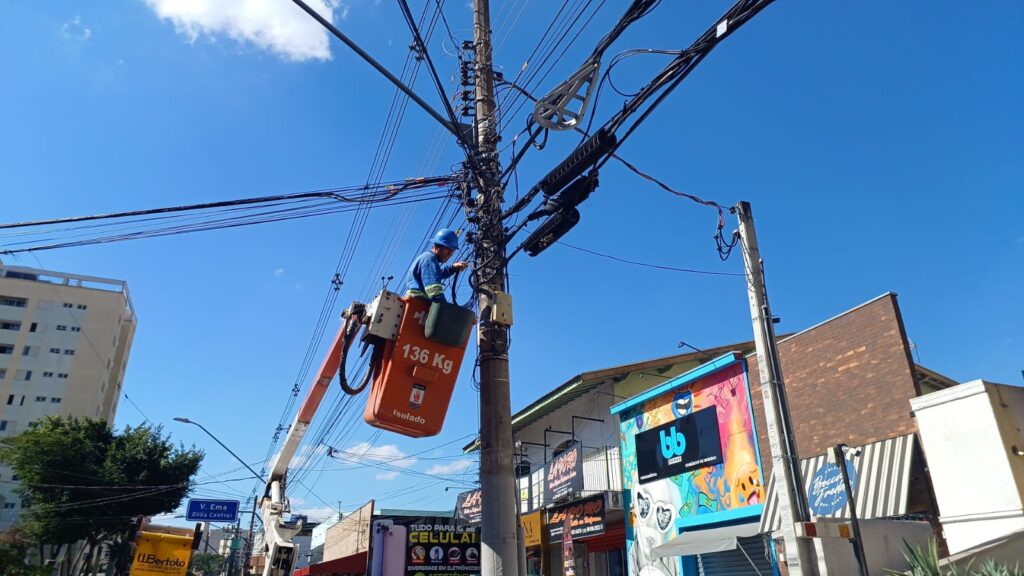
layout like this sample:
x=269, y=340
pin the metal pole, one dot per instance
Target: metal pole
x=499, y=533
x=222, y=445
x=785, y=463
x=839, y=454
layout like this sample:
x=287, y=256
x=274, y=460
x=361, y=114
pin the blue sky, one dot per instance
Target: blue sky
x=880, y=144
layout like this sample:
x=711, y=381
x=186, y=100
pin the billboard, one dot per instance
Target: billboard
x=563, y=475
x=469, y=506
x=585, y=517
x=159, y=554
x=427, y=546
x=689, y=450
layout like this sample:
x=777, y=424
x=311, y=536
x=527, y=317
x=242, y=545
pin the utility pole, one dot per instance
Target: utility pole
x=499, y=550
x=839, y=455
x=785, y=462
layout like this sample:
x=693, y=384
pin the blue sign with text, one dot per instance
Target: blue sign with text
x=827, y=495
x=212, y=510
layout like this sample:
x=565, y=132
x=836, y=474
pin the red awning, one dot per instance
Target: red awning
x=614, y=538
x=354, y=564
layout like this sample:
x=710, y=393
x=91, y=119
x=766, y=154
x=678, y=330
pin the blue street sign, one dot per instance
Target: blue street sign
x=212, y=510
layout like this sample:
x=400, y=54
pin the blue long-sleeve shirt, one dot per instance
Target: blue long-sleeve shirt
x=425, y=276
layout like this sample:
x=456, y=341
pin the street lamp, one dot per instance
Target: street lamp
x=215, y=439
x=244, y=463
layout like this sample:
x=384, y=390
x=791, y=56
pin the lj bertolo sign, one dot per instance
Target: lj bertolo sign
x=162, y=555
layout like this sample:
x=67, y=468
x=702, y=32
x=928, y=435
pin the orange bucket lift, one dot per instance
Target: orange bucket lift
x=418, y=347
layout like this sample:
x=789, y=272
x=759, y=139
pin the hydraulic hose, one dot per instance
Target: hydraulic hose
x=351, y=329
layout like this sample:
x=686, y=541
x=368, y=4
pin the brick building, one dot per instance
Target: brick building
x=849, y=379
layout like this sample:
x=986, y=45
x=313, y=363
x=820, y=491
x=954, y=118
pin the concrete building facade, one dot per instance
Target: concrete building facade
x=973, y=440
x=64, y=346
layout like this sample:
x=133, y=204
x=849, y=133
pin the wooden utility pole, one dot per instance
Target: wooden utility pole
x=785, y=462
x=499, y=550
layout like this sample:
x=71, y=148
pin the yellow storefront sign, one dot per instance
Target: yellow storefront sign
x=161, y=555
x=532, y=528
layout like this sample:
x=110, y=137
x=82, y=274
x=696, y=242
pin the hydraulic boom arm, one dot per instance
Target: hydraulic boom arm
x=274, y=506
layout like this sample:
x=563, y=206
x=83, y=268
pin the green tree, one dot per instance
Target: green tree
x=86, y=483
x=14, y=549
x=206, y=564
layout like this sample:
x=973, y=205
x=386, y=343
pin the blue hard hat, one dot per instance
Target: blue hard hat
x=447, y=238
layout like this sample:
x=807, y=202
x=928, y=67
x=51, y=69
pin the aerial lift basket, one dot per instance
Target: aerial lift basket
x=418, y=347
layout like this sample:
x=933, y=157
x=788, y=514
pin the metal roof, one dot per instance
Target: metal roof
x=585, y=382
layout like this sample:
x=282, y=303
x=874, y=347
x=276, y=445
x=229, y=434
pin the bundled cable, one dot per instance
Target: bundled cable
x=137, y=224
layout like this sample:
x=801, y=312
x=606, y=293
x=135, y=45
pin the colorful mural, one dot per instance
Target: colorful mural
x=657, y=510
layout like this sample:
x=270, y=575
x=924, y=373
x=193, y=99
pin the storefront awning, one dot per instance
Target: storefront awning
x=706, y=541
x=882, y=488
x=354, y=564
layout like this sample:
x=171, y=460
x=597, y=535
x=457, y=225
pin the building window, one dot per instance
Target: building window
x=10, y=399
x=40, y=398
x=33, y=327
x=54, y=400
x=62, y=375
x=10, y=325
x=6, y=349
x=76, y=328
x=68, y=305
x=13, y=301
x=81, y=306
x=26, y=350
x=54, y=350
x=25, y=375
x=22, y=403
x=3, y=425
x=3, y=373
x=8, y=505
x=33, y=425
x=61, y=327
x=47, y=374
x=69, y=352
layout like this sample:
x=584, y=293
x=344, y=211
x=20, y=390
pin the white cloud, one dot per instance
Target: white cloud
x=314, y=514
x=75, y=30
x=275, y=25
x=388, y=455
x=278, y=272
x=456, y=467
x=306, y=454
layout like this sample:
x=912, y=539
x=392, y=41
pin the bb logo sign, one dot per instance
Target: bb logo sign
x=673, y=444
x=680, y=446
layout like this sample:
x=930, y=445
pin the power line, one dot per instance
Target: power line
x=132, y=402
x=646, y=264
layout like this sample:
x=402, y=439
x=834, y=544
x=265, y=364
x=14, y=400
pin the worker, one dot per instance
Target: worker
x=423, y=280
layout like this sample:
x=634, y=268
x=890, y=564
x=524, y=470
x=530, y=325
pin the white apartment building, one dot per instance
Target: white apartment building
x=64, y=345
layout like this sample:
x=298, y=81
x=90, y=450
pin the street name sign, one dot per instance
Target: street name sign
x=212, y=510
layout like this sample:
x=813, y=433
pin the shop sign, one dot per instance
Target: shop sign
x=162, y=555
x=469, y=506
x=440, y=547
x=563, y=476
x=682, y=445
x=827, y=495
x=531, y=528
x=585, y=516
